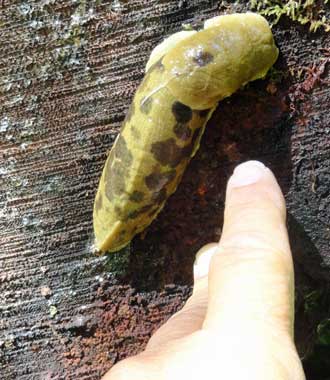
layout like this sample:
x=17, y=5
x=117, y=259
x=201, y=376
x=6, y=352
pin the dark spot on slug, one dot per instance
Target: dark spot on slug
x=160, y=197
x=182, y=131
x=135, y=229
x=120, y=214
x=157, y=181
x=115, y=179
x=181, y=112
x=118, y=175
x=203, y=58
x=146, y=104
x=107, y=176
x=186, y=151
x=134, y=214
x=135, y=133
x=122, y=152
x=167, y=152
x=136, y=196
x=107, y=168
x=98, y=202
x=204, y=113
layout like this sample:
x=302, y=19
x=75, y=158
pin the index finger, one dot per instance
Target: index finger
x=251, y=277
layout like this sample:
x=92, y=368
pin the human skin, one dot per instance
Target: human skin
x=238, y=323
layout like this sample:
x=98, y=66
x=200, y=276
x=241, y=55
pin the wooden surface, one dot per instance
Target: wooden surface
x=68, y=71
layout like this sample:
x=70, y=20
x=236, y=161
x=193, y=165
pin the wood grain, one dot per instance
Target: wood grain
x=68, y=70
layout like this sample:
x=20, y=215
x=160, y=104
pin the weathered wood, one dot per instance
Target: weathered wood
x=68, y=71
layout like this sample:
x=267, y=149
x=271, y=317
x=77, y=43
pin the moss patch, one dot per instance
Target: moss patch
x=317, y=310
x=117, y=262
x=306, y=12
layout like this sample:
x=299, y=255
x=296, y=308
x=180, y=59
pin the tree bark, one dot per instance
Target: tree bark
x=68, y=71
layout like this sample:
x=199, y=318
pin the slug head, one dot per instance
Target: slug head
x=213, y=63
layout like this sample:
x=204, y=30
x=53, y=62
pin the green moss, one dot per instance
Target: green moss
x=276, y=76
x=310, y=12
x=118, y=262
x=323, y=332
x=312, y=301
x=317, y=310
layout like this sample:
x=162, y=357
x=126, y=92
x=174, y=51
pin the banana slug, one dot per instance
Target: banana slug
x=186, y=76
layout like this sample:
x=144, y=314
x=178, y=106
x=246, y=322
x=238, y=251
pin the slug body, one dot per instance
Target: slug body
x=186, y=76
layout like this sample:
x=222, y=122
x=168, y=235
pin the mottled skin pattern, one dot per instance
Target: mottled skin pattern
x=167, y=117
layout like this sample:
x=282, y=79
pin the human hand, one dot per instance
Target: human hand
x=238, y=323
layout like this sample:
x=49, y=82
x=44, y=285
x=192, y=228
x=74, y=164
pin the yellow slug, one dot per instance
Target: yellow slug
x=186, y=76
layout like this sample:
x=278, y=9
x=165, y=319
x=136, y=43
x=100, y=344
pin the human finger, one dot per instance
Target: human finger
x=251, y=274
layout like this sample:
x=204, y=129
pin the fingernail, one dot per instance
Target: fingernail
x=247, y=173
x=203, y=258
